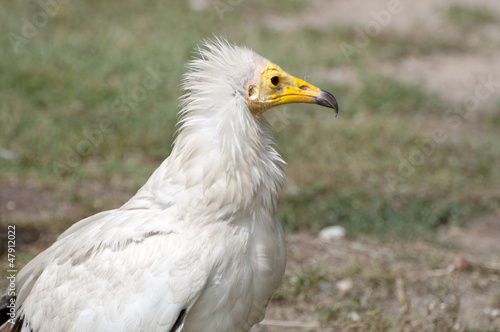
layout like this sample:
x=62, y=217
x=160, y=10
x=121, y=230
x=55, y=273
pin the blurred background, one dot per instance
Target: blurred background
x=410, y=168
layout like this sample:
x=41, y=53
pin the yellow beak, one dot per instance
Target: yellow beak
x=295, y=90
x=275, y=87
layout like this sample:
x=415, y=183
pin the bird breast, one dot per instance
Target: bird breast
x=250, y=261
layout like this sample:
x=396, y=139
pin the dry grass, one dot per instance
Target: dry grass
x=369, y=285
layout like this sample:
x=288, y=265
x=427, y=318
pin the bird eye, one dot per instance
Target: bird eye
x=275, y=80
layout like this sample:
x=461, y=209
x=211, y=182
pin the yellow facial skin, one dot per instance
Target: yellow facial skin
x=276, y=87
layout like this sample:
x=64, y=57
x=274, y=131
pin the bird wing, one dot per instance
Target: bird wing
x=115, y=271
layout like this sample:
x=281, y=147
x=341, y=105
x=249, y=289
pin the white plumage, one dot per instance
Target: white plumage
x=198, y=248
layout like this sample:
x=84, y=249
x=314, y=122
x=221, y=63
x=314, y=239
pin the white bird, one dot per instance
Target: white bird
x=198, y=248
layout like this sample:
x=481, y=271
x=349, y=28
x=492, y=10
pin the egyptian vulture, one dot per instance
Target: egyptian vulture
x=198, y=248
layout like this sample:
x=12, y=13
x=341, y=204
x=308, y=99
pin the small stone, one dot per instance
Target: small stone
x=344, y=285
x=11, y=205
x=332, y=233
x=493, y=313
x=353, y=315
x=461, y=263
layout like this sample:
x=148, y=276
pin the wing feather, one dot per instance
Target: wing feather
x=125, y=269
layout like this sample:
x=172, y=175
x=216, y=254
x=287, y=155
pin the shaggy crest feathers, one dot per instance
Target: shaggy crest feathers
x=215, y=115
x=217, y=75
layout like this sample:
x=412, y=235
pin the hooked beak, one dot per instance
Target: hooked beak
x=295, y=90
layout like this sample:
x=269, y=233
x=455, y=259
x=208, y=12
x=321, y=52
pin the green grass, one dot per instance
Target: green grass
x=365, y=213
x=59, y=89
x=469, y=17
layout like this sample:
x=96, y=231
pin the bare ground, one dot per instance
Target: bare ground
x=420, y=286
x=454, y=75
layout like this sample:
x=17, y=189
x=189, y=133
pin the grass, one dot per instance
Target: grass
x=468, y=17
x=373, y=301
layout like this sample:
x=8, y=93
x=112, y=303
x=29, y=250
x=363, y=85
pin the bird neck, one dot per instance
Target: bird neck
x=230, y=157
x=223, y=159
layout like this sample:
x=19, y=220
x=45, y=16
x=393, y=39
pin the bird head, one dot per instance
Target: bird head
x=272, y=86
x=225, y=74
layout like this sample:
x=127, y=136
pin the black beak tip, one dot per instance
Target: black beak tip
x=326, y=99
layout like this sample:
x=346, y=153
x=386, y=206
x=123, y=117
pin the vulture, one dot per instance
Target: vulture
x=198, y=248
